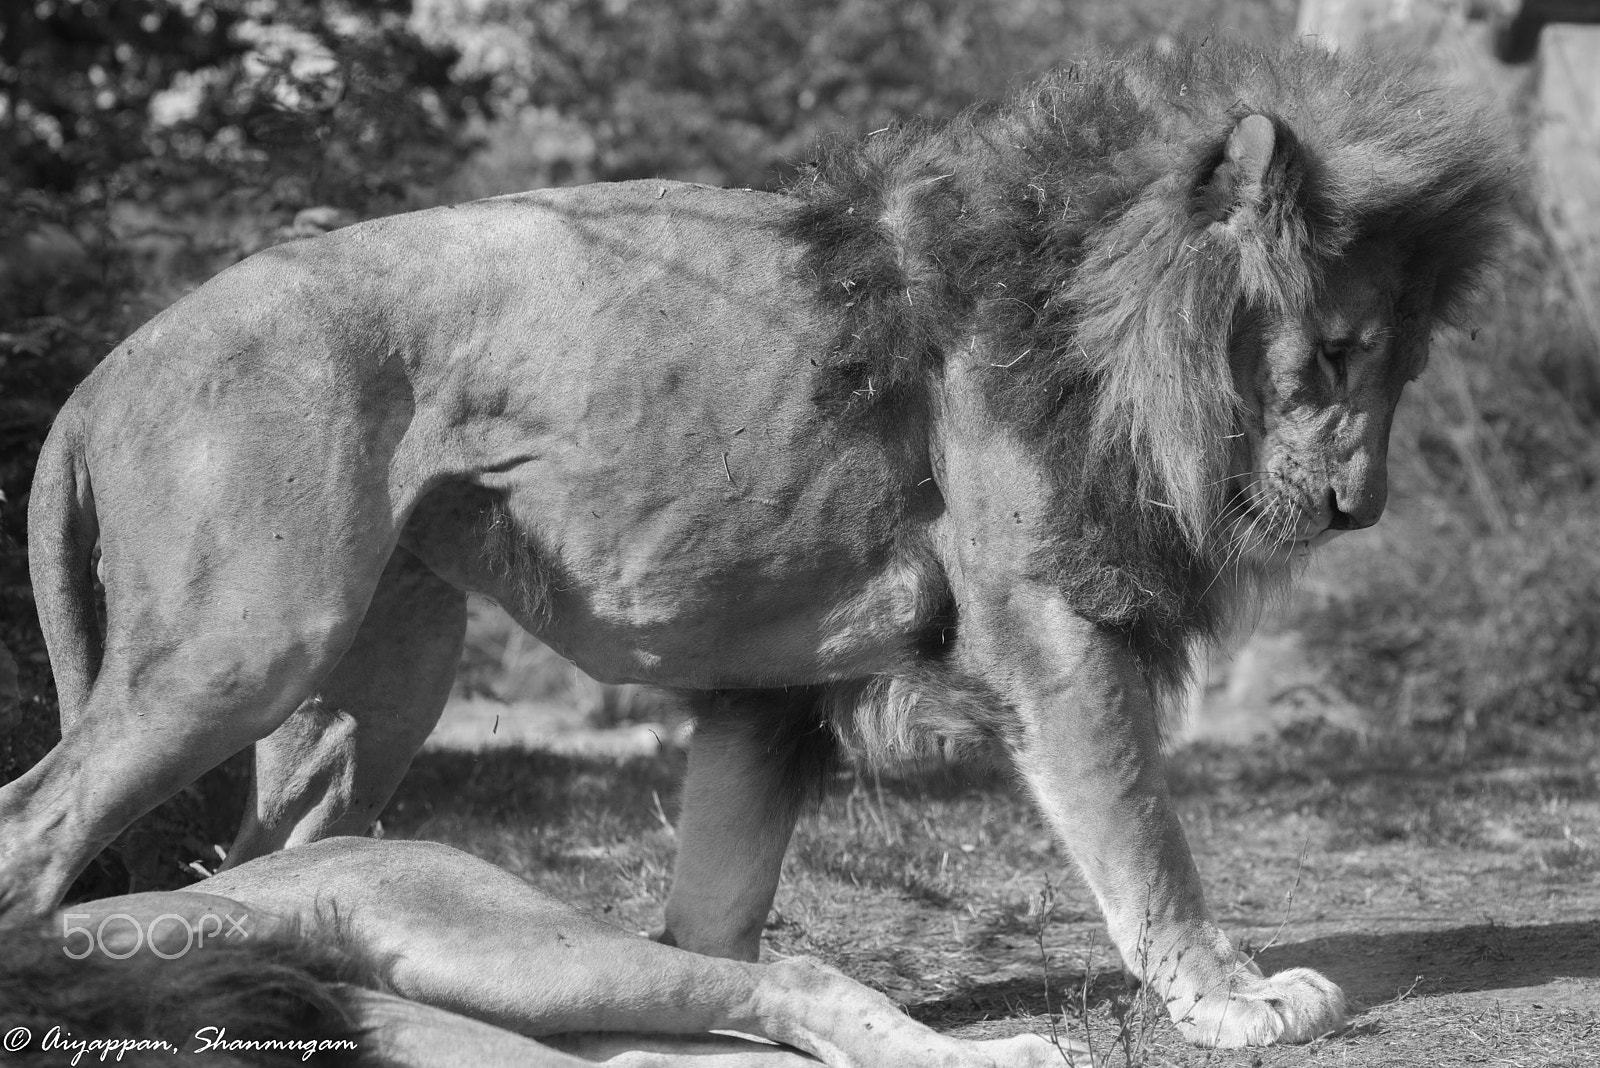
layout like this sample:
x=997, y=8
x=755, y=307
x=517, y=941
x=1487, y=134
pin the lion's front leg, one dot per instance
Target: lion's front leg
x=1090, y=749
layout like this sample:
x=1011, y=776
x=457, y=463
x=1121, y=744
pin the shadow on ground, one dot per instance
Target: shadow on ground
x=533, y=789
x=1373, y=968
x=1018, y=997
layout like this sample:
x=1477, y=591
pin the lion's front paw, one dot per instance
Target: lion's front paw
x=1292, y=1006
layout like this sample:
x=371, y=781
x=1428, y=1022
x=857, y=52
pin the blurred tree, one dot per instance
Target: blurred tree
x=123, y=120
x=99, y=96
x=734, y=91
x=143, y=145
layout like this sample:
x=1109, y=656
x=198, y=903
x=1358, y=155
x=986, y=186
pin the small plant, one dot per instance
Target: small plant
x=1131, y=1008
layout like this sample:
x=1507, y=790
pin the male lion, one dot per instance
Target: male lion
x=977, y=432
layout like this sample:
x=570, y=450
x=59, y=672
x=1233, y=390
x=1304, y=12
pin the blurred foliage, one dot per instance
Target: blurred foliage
x=146, y=144
x=733, y=91
x=1479, y=635
x=318, y=102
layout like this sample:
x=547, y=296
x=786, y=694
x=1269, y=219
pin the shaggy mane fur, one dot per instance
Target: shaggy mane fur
x=1068, y=240
x=284, y=988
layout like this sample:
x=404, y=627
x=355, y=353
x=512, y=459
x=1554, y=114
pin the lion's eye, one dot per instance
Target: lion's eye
x=1331, y=360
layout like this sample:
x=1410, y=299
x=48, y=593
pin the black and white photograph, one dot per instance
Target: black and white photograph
x=754, y=533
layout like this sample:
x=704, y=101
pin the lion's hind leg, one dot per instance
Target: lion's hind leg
x=334, y=763
x=215, y=634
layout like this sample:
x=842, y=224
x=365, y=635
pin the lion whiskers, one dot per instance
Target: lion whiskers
x=1246, y=542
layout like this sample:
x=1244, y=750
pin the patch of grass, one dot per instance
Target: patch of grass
x=588, y=829
x=1575, y=858
x=1485, y=638
x=924, y=832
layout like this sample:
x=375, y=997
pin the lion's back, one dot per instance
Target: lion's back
x=531, y=262
x=561, y=297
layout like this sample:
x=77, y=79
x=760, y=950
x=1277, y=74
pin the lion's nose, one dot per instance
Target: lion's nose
x=1339, y=519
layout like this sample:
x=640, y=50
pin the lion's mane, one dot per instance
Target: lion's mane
x=1066, y=238
x=269, y=987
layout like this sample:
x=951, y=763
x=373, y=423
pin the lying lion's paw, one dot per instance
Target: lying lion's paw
x=1292, y=1006
x=1032, y=1051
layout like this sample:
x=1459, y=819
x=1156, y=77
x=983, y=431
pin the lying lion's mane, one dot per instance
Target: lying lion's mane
x=285, y=986
x=1078, y=240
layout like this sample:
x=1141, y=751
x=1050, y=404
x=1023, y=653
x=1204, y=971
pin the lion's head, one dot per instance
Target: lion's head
x=1318, y=371
x=1195, y=281
x=1318, y=393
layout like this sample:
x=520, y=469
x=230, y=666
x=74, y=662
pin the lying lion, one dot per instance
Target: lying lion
x=977, y=434
x=411, y=953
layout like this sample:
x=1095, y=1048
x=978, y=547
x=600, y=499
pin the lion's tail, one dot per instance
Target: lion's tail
x=62, y=531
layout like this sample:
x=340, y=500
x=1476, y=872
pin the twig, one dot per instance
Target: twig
x=1288, y=899
x=1014, y=360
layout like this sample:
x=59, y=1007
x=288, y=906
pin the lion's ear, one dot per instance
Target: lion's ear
x=1241, y=181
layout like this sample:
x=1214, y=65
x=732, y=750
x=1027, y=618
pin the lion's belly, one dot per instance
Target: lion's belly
x=685, y=554
x=638, y=570
x=638, y=596
x=719, y=626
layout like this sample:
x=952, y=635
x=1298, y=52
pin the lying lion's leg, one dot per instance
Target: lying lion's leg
x=465, y=936
x=333, y=765
x=1091, y=750
x=755, y=757
x=406, y=1034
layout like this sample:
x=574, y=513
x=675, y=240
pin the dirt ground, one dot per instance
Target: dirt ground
x=1456, y=901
